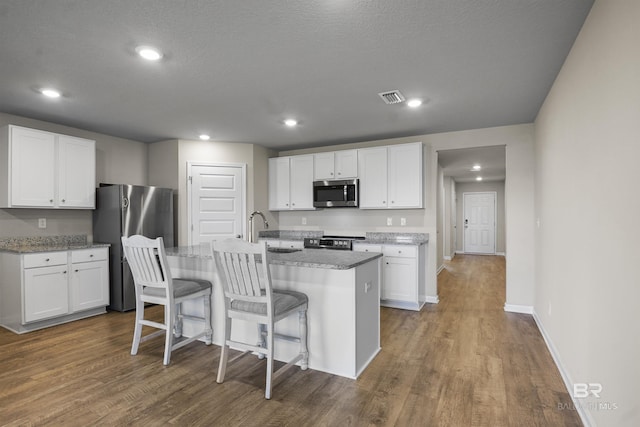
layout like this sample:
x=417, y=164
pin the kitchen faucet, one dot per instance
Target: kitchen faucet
x=266, y=224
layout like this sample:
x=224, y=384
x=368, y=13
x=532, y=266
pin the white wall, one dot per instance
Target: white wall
x=587, y=295
x=118, y=161
x=448, y=210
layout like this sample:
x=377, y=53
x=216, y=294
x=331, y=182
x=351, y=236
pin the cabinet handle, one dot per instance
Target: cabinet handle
x=63, y=200
x=393, y=201
x=339, y=173
x=76, y=270
x=384, y=202
x=64, y=272
x=47, y=260
x=50, y=200
x=293, y=204
x=90, y=256
x=331, y=174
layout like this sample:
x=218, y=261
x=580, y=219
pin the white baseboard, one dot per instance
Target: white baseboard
x=447, y=258
x=432, y=299
x=440, y=269
x=513, y=308
x=501, y=254
x=568, y=383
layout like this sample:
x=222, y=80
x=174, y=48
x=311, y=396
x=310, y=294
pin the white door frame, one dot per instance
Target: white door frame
x=495, y=219
x=242, y=166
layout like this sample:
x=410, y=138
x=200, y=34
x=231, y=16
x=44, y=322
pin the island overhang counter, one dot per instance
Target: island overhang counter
x=344, y=304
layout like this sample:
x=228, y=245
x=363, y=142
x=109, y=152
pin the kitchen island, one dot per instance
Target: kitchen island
x=344, y=304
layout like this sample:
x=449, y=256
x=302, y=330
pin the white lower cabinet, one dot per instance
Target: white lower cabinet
x=45, y=292
x=47, y=288
x=403, y=278
x=89, y=279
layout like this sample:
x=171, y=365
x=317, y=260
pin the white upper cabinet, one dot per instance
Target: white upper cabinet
x=291, y=183
x=336, y=165
x=77, y=171
x=391, y=177
x=301, y=176
x=46, y=170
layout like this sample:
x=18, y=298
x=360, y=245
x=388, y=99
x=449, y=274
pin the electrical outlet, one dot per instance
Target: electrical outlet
x=403, y=221
x=389, y=221
x=304, y=220
x=42, y=222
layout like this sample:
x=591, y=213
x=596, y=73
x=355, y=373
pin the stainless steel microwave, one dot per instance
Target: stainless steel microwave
x=335, y=194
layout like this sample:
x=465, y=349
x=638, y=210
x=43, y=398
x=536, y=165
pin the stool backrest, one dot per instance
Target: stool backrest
x=243, y=268
x=148, y=262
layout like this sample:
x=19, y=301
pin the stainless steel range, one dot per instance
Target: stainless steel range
x=331, y=242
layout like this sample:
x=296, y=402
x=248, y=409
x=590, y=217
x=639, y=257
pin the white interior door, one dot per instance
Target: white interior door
x=479, y=222
x=217, y=201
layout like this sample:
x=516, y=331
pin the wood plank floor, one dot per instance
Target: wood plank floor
x=462, y=362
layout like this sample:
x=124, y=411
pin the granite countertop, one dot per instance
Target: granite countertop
x=25, y=245
x=377, y=238
x=313, y=258
x=289, y=234
x=381, y=238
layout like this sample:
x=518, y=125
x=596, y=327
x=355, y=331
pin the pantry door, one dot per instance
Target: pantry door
x=479, y=222
x=216, y=201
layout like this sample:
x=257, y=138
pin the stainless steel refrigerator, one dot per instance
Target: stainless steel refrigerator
x=125, y=210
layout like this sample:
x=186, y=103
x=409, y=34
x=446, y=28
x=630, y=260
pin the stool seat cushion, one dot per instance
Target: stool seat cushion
x=181, y=287
x=283, y=301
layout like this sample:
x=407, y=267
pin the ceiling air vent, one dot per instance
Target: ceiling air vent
x=391, y=97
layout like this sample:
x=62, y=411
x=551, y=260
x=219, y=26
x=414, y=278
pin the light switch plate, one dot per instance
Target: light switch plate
x=42, y=222
x=389, y=221
x=403, y=221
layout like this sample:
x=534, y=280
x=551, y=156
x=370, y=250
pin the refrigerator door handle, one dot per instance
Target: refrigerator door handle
x=125, y=203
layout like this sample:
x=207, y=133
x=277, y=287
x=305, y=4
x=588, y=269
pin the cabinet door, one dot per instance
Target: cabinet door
x=33, y=163
x=372, y=169
x=45, y=293
x=89, y=285
x=301, y=180
x=400, y=279
x=278, y=183
x=323, y=166
x=346, y=164
x=405, y=176
x=76, y=172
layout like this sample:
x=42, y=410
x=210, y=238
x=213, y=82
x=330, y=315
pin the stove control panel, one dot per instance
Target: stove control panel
x=331, y=243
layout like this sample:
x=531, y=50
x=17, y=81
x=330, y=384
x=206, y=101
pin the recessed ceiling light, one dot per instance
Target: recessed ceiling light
x=149, y=53
x=205, y=137
x=413, y=103
x=290, y=122
x=479, y=178
x=476, y=167
x=51, y=93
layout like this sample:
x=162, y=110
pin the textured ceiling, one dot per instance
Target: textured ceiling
x=458, y=164
x=236, y=69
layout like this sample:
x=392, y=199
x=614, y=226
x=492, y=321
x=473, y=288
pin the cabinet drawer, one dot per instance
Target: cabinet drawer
x=400, y=251
x=359, y=247
x=86, y=255
x=44, y=259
